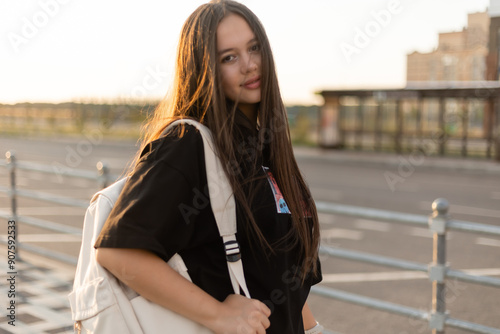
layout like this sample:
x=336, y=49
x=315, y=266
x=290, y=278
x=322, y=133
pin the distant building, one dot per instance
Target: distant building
x=460, y=56
x=493, y=63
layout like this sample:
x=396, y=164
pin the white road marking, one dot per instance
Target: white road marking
x=71, y=192
x=372, y=225
x=465, y=210
x=21, y=181
x=48, y=211
x=468, y=210
x=488, y=242
x=339, y=233
x=396, y=275
x=80, y=182
x=483, y=272
x=36, y=176
x=54, y=237
x=373, y=277
x=427, y=233
x=421, y=232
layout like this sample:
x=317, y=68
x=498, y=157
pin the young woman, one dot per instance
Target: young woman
x=226, y=79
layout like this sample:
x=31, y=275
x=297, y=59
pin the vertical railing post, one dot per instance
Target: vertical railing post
x=442, y=126
x=103, y=177
x=360, y=124
x=378, y=125
x=341, y=125
x=398, y=135
x=437, y=269
x=419, y=123
x=465, y=125
x=11, y=167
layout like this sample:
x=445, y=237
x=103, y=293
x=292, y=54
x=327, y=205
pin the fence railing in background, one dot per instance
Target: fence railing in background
x=101, y=176
x=439, y=223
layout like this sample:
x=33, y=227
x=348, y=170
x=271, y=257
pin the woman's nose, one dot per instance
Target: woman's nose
x=249, y=64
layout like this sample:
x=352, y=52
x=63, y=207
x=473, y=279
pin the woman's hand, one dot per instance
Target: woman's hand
x=241, y=315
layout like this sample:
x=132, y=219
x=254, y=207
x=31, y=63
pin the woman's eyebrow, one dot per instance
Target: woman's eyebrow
x=231, y=49
x=225, y=50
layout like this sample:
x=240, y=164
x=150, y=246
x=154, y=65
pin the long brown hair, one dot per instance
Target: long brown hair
x=197, y=93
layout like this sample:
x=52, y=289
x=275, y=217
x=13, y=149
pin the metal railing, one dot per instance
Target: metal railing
x=439, y=223
x=102, y=176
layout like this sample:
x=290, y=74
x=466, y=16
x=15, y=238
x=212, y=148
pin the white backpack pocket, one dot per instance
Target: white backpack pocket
x=95, y=309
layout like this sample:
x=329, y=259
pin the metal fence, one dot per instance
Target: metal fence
x=439, y=223
x=101, y=176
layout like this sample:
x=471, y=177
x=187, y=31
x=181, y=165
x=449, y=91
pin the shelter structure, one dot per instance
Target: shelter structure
x=440, y=117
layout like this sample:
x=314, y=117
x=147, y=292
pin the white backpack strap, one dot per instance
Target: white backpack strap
x=219, y=188
x=223, y=207
x=234, y=264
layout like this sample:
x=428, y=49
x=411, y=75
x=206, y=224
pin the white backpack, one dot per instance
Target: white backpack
x=101, y=304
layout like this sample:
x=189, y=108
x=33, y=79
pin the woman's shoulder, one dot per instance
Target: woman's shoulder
x=181, y=146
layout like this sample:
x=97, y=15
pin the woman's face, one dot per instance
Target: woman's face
x=240, y=58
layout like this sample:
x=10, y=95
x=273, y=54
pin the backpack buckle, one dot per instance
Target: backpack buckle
x=232, y=251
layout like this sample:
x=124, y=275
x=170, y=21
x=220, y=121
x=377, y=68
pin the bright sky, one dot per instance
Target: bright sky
x=74, y=50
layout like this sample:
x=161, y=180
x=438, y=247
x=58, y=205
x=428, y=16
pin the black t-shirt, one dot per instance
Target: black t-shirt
x=165, y=208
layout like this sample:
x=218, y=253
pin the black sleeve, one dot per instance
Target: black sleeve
x=154, y=210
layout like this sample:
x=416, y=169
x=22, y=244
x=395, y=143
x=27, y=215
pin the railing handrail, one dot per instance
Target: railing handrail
x=45, y=224
x=407, y=265
x=47, y=197
x=47, y=169
x=403, y=218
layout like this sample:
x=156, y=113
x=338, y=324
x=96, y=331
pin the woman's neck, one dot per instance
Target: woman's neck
x=250, y=111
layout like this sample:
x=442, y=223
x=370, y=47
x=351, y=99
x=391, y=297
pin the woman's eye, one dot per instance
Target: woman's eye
x=228, y=59
x=255, y=48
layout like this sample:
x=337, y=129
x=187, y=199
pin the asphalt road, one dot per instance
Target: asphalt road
x=474, y=196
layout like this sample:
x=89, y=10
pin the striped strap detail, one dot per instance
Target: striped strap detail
x=234, y=264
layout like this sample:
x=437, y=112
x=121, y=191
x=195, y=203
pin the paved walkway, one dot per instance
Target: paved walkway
x=41, y=303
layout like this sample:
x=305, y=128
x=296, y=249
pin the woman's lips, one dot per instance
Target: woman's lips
x=252, y=83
